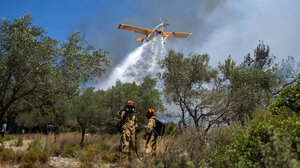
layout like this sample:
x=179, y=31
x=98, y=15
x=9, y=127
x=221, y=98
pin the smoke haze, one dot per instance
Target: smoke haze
x=220, y=27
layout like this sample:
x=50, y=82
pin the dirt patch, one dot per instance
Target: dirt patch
x=58, y=161
x=10, y=144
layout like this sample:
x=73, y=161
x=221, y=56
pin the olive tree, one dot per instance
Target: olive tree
x=35, y=68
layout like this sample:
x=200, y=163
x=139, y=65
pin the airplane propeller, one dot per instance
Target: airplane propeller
x=164, y=21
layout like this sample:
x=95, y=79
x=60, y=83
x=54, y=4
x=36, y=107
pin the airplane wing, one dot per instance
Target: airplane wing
x=135, y=29
x=177, y=35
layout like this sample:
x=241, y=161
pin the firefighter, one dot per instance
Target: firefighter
x=151, y=135
x=3, y=128
x=128, y=124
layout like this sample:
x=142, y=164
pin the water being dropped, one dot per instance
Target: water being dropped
x=141, y=62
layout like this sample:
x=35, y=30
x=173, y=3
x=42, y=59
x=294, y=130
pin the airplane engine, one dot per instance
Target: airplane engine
x=169, y=37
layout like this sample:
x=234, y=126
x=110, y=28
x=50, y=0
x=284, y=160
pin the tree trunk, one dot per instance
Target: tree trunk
x=196, y=122
x=82, y=137
x=2, y=112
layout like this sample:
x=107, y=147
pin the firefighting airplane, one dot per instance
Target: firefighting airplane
x=150, y=34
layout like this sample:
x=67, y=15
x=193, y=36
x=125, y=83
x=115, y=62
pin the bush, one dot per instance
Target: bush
x=19, y=156
x=30, y=157
x=35, y=146
x=2, y=147
x=289, y=98
x=69, y=150
x=223, y=135
x=191, y=141
x=88, y=156
x=19, y=142
x=43, y=157
x=27, y=165
x=7, y=155
x=271, y=140
x=109, y=157
x=104, y=146
x=56, y=151
x=6, y=138
x=170, y=128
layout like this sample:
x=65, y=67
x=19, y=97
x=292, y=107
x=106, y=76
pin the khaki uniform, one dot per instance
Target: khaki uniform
x=151, y=136
x=128, y=131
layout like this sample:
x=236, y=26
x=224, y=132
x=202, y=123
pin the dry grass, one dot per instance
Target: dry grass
x=98, y=150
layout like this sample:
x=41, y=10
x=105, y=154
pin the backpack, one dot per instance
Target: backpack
x=159, y=128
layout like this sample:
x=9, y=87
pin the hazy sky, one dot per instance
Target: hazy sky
x=219, y=27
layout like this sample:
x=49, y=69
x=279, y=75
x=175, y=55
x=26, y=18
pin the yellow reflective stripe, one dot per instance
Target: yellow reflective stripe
x=125, y=150
x=150, y=124
x=148, y=150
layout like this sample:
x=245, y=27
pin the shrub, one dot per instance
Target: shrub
x=88, y=156
x=170, y=128
x=86, y=165
x=2, y=147
x=43, y=157
x=19, y=156
x=70, y=150
x=56, y=151
x=7, y=155
x=104, y=146
x=271, y=140
x=190, y=141
x=108, y=157
x=223, y=135
x=6, y=138
x=30, y=157
x=19, y=142
x=35, y=146
x=289, y=98
x=27, y=165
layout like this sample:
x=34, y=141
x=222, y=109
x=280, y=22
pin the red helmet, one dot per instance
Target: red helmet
x=150, y=112
x=130, y=103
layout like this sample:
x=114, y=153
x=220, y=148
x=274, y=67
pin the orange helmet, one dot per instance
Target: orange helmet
x=130, y=103
x=150, y=112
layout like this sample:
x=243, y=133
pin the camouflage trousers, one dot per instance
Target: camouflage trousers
x=128, y=141
x=151, y=143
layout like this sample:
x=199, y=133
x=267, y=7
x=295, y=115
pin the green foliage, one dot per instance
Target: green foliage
x=145, y=96
x=262, y=60
x=6, y=138
x=38, y=69
x=35, y=146
x=184, y=79
x=19, y=142
x=89, y=156
x=249, y=89
x=70, y=150
x=104, y=146
x=272, y=140
x=170, y=129
x=288, y=99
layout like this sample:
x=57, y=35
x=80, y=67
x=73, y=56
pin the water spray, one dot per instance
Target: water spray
x=138, y=64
